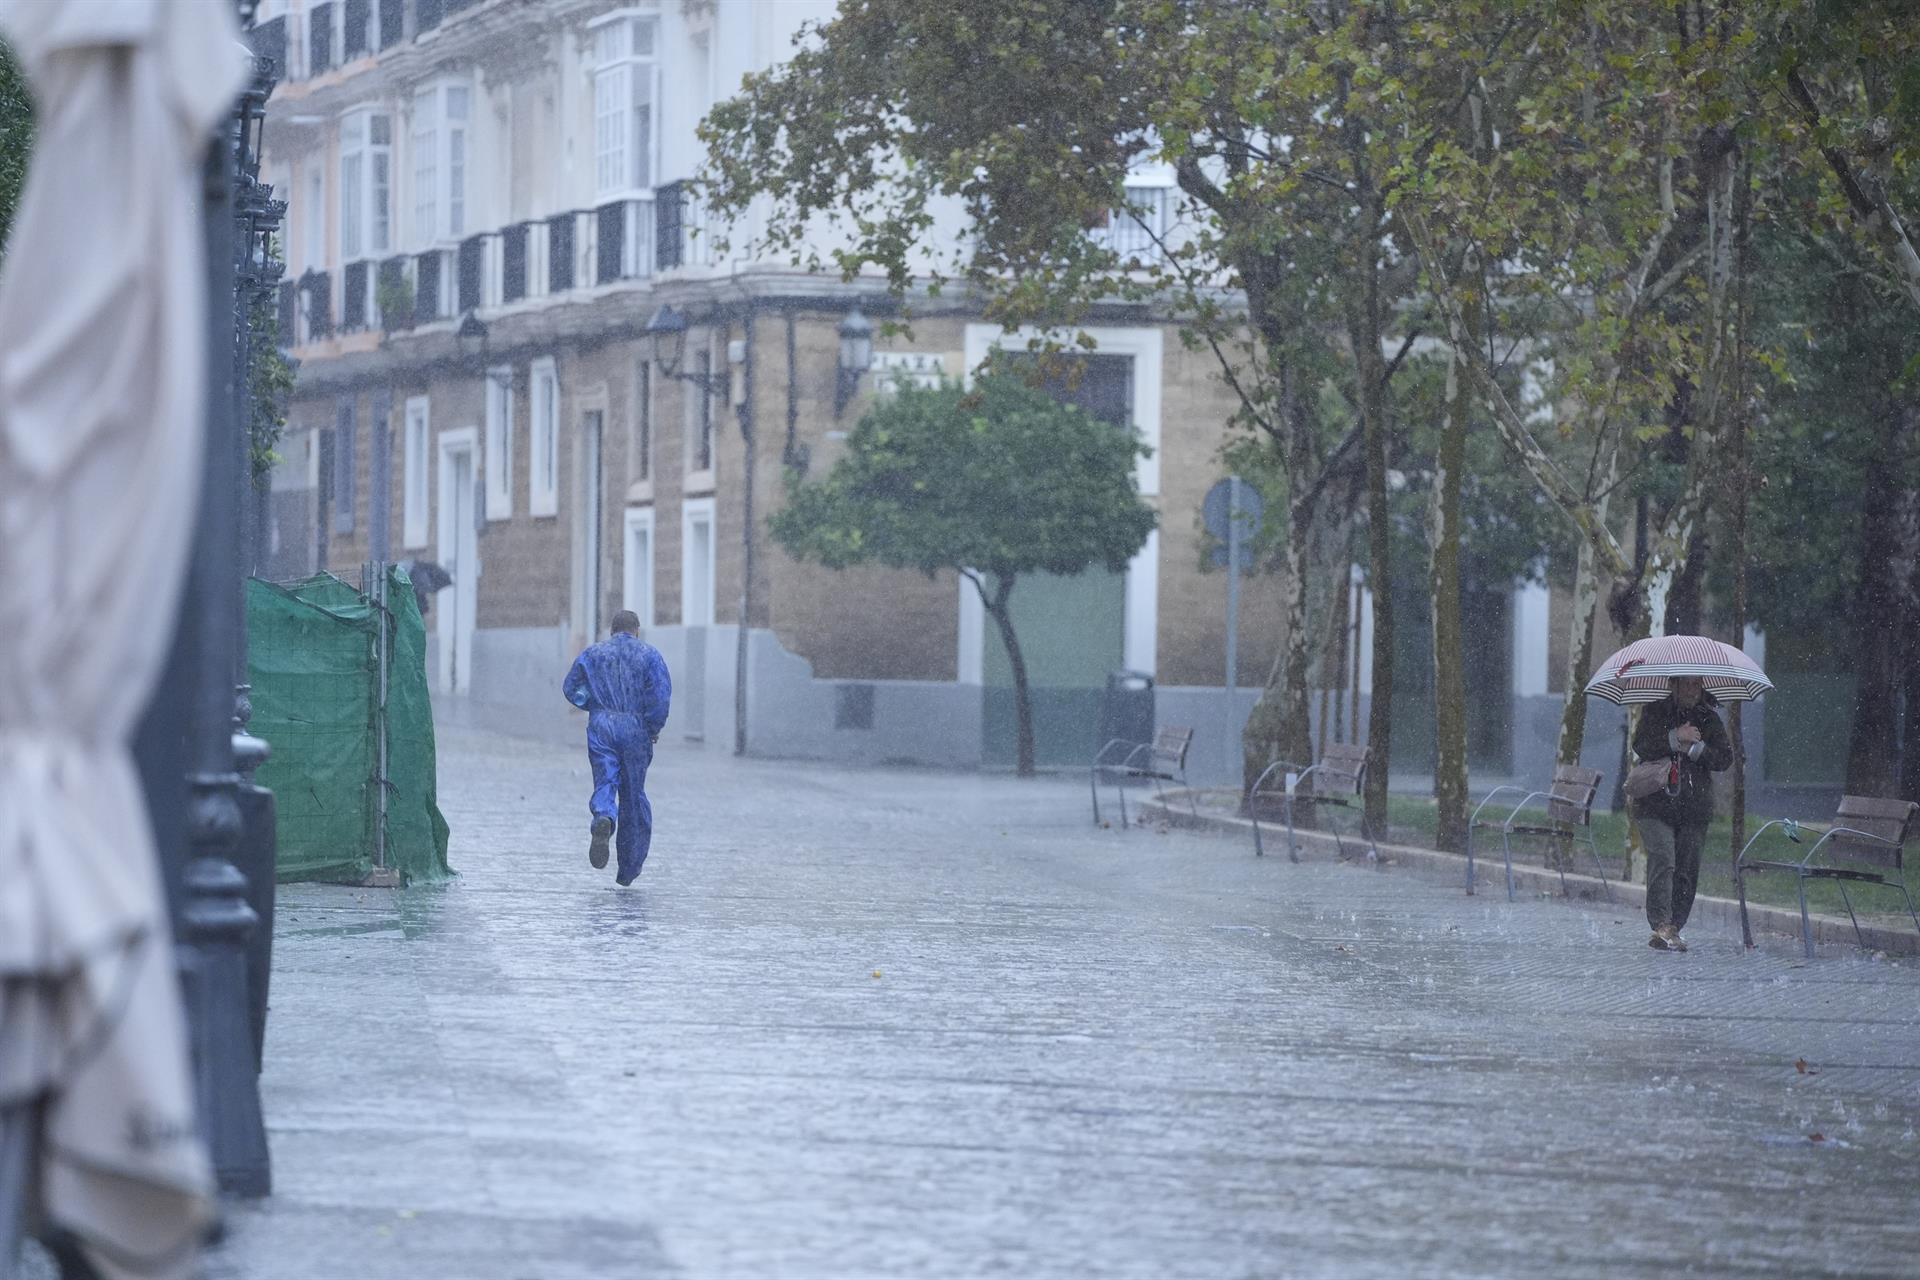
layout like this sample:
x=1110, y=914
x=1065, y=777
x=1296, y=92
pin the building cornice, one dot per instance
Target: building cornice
x=621, y=315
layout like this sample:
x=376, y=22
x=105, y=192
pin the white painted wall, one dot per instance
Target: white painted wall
x=1532, y=633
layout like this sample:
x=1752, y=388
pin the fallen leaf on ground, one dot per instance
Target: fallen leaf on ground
x=1816, y=1137
x=1800, y=1065
x=876, y=973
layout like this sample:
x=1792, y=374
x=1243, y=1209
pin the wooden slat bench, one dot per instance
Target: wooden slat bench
x=1161, y=761
x=1569, y=821
x=1867, y=833
x=1338, y=778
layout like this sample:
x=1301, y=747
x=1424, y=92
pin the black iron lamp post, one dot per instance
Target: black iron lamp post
x=213, y=822
x=216, y=920
x=257, y=270
x=856, y=357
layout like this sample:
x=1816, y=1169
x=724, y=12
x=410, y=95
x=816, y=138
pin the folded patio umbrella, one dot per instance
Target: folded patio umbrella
x=1639, y=672
x=103, y=321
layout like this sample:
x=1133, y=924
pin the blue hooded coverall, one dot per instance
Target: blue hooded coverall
x=623, y=686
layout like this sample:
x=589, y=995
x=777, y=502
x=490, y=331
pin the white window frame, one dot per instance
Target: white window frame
x=313, y=214
x=362, y=157
x=697, y=511
x=638, y=583
x=619, y=167
x=441, y=145
x=698, y=415
x=499, y=443
x=1145, y=345
x=416, y=470
x=543, y=457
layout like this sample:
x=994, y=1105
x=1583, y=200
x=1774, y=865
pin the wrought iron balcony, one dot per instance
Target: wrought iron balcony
x=572, y=254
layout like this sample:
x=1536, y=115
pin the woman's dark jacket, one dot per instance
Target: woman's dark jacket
x=1654, y=740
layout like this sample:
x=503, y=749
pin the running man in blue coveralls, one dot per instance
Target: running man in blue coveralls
x=622, y=685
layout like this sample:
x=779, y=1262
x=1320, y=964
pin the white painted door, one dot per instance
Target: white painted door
x=697, y=567
x=638, y=562
x=459, y=554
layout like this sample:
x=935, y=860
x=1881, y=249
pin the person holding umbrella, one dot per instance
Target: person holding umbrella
x=1679, y=745
x=1684, y=731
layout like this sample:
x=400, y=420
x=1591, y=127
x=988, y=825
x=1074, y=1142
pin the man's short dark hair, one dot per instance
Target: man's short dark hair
x=628, y=621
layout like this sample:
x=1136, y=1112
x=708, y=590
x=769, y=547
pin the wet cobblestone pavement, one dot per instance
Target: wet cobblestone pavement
x=895, y=1023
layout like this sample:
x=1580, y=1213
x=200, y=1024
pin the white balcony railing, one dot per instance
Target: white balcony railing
x=1140, y=229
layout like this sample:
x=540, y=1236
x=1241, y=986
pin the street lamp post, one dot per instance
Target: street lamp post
x=216, y=920
x=257, y=270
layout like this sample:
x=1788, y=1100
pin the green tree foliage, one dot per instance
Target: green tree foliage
x=1838, y=81
x=1029, y=116
x=991, y=483
x=269, y=385
x=16, y=137
x=1566, y=198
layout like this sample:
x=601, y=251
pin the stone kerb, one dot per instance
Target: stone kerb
x=1490, y=873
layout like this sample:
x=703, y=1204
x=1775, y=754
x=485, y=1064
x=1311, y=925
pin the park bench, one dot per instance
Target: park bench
x=1569, y=821
x=1868, y=833
x=1161, y=761
x=1337, y=779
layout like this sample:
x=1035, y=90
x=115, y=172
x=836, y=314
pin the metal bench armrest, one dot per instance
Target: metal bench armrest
x=1488, y=799
x=1101, y=759
x=1530, y=796
x=1752, y=840
x=1261, y=781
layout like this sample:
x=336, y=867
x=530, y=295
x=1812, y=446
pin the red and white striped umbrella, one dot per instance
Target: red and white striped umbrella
x=1639, y=672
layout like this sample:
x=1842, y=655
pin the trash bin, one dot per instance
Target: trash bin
x=1126, y=709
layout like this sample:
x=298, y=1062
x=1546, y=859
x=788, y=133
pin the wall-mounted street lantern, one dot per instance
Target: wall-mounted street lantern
x=471, y=338
x=856, y=356
x=667, y=330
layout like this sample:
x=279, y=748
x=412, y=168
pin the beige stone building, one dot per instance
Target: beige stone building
x=488, y=206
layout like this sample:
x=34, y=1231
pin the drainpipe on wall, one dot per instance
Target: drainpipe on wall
x=744, y=408
x=795, y=453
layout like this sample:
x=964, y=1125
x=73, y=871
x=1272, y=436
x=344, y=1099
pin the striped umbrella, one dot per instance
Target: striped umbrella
x=1639, y=672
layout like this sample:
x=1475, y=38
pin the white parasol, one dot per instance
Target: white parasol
x=102, y=400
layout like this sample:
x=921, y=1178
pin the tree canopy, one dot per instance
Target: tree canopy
x=1606, y=216
x=998, y=480
x=990, y=482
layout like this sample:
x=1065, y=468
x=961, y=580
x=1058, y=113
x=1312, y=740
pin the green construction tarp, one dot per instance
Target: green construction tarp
x=313, y=659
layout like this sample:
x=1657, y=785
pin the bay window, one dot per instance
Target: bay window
x=626, y=89
x=441, y=115
x=366, y=185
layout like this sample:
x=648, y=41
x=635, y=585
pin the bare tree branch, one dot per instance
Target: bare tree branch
x=1870, y=205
